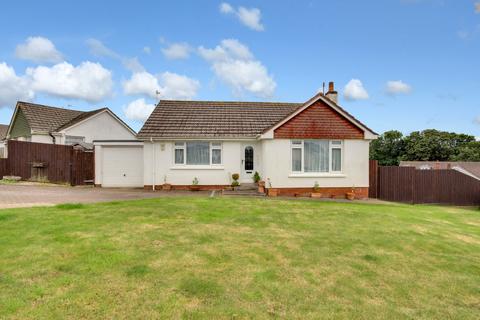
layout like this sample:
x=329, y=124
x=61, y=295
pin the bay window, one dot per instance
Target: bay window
x=317, y=156
x=197, y=153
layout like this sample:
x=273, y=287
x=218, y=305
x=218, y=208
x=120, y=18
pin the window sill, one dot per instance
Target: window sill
x=199, y=167
x=317, y=175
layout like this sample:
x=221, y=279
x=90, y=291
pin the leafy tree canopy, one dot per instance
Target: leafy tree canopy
x=428, y=145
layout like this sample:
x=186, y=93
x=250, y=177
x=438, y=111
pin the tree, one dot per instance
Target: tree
x=468, y=152
x=388, y=148
x=434, y=145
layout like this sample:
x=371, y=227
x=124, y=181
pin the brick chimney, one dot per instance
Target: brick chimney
x=332, y=94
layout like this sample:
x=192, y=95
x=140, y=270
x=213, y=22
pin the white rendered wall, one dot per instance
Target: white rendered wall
x=183, y=175
x=100, y=127
x=276, y=163
x=41, y=138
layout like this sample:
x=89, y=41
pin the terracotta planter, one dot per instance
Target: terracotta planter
x=272, y=192
x=350, y=195
x=167, y=186
x=316, y=195
x=194, y=188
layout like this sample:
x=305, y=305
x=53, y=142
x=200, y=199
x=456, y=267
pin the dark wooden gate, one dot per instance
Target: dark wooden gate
x=48, y=162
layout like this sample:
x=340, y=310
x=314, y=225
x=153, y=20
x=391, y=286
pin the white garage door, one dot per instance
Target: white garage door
x=122, y=166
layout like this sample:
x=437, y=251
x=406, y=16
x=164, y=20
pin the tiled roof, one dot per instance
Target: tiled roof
x=213, y=119
x=51, y=119
x=3, y=131
x=471, y=167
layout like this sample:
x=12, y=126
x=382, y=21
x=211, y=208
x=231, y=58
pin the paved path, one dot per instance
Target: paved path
x=16, y=196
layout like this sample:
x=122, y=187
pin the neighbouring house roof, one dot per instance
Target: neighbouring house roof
x=213, y=119
x=471, y=168
x=42, y=118
x=3, y=131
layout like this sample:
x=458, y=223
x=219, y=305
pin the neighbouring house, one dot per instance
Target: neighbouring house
x=293, y=146
x=46, y=124
x=470, y=168
x=3, y=135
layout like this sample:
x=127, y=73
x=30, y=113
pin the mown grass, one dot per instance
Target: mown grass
x=224, y=258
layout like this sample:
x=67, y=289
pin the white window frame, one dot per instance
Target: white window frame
x=332, y=144
x=182, y=145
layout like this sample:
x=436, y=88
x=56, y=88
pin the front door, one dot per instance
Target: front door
x=248, y=163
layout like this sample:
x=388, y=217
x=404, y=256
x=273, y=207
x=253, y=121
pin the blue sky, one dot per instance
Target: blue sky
x=397, y=64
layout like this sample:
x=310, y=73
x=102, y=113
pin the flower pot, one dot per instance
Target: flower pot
x=350, y=195
x=272, y=192
x=194, y=188
x=166, y=186
x=316, y=195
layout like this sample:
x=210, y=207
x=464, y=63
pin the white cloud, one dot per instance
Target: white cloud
x=132, y=64
x=147, y=50
x=477, y=7
x=477, y=120
x=177, y=51
x=88, y=81
x=175, y=86
x=226, y=8
x=234, y=64
x=170, y=85
x=138, y=110
x=97, y=48
x=354, y=90
x=38, y=49
x=142, y=83
x=13, y=87
x=398, y=87
x=248, y=16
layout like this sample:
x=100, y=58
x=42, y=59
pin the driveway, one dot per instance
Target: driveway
x=19, y=195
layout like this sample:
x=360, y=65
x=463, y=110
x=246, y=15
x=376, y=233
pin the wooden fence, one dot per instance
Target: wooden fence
x=408, y=184
x=48, y=162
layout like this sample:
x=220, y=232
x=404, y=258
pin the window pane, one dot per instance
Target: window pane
x=198, y=153
x=336, y=159
x=216, y=156
x=179, y=144
x=248, y=158
x=336, y=142
x=316, y=156
x=296, y=159
x=216, y=145
x=179, y=156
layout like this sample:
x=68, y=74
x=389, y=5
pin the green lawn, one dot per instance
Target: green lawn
x=231, y=258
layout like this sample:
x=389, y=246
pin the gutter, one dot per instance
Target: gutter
x=53, y=137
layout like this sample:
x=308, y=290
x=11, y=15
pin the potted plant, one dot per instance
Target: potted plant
x=166, y=186
x=316, y=191
x=271, y=191
x=261, y=186
x=194, y=186
x=256, y=177
x=235, y=182
x=351, y=195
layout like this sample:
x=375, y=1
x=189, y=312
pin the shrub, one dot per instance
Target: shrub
x=235, y=176
x=195, y=182
x=316, y=186
x=256, y=177
x=235, y=183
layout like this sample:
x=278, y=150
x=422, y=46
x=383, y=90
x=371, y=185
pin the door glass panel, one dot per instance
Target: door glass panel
x=248, y=158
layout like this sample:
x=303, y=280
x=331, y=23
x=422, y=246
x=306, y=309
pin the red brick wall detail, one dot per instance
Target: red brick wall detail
x=319, y=121
x=338, y=193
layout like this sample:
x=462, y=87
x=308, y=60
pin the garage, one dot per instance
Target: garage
x=121, y=164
